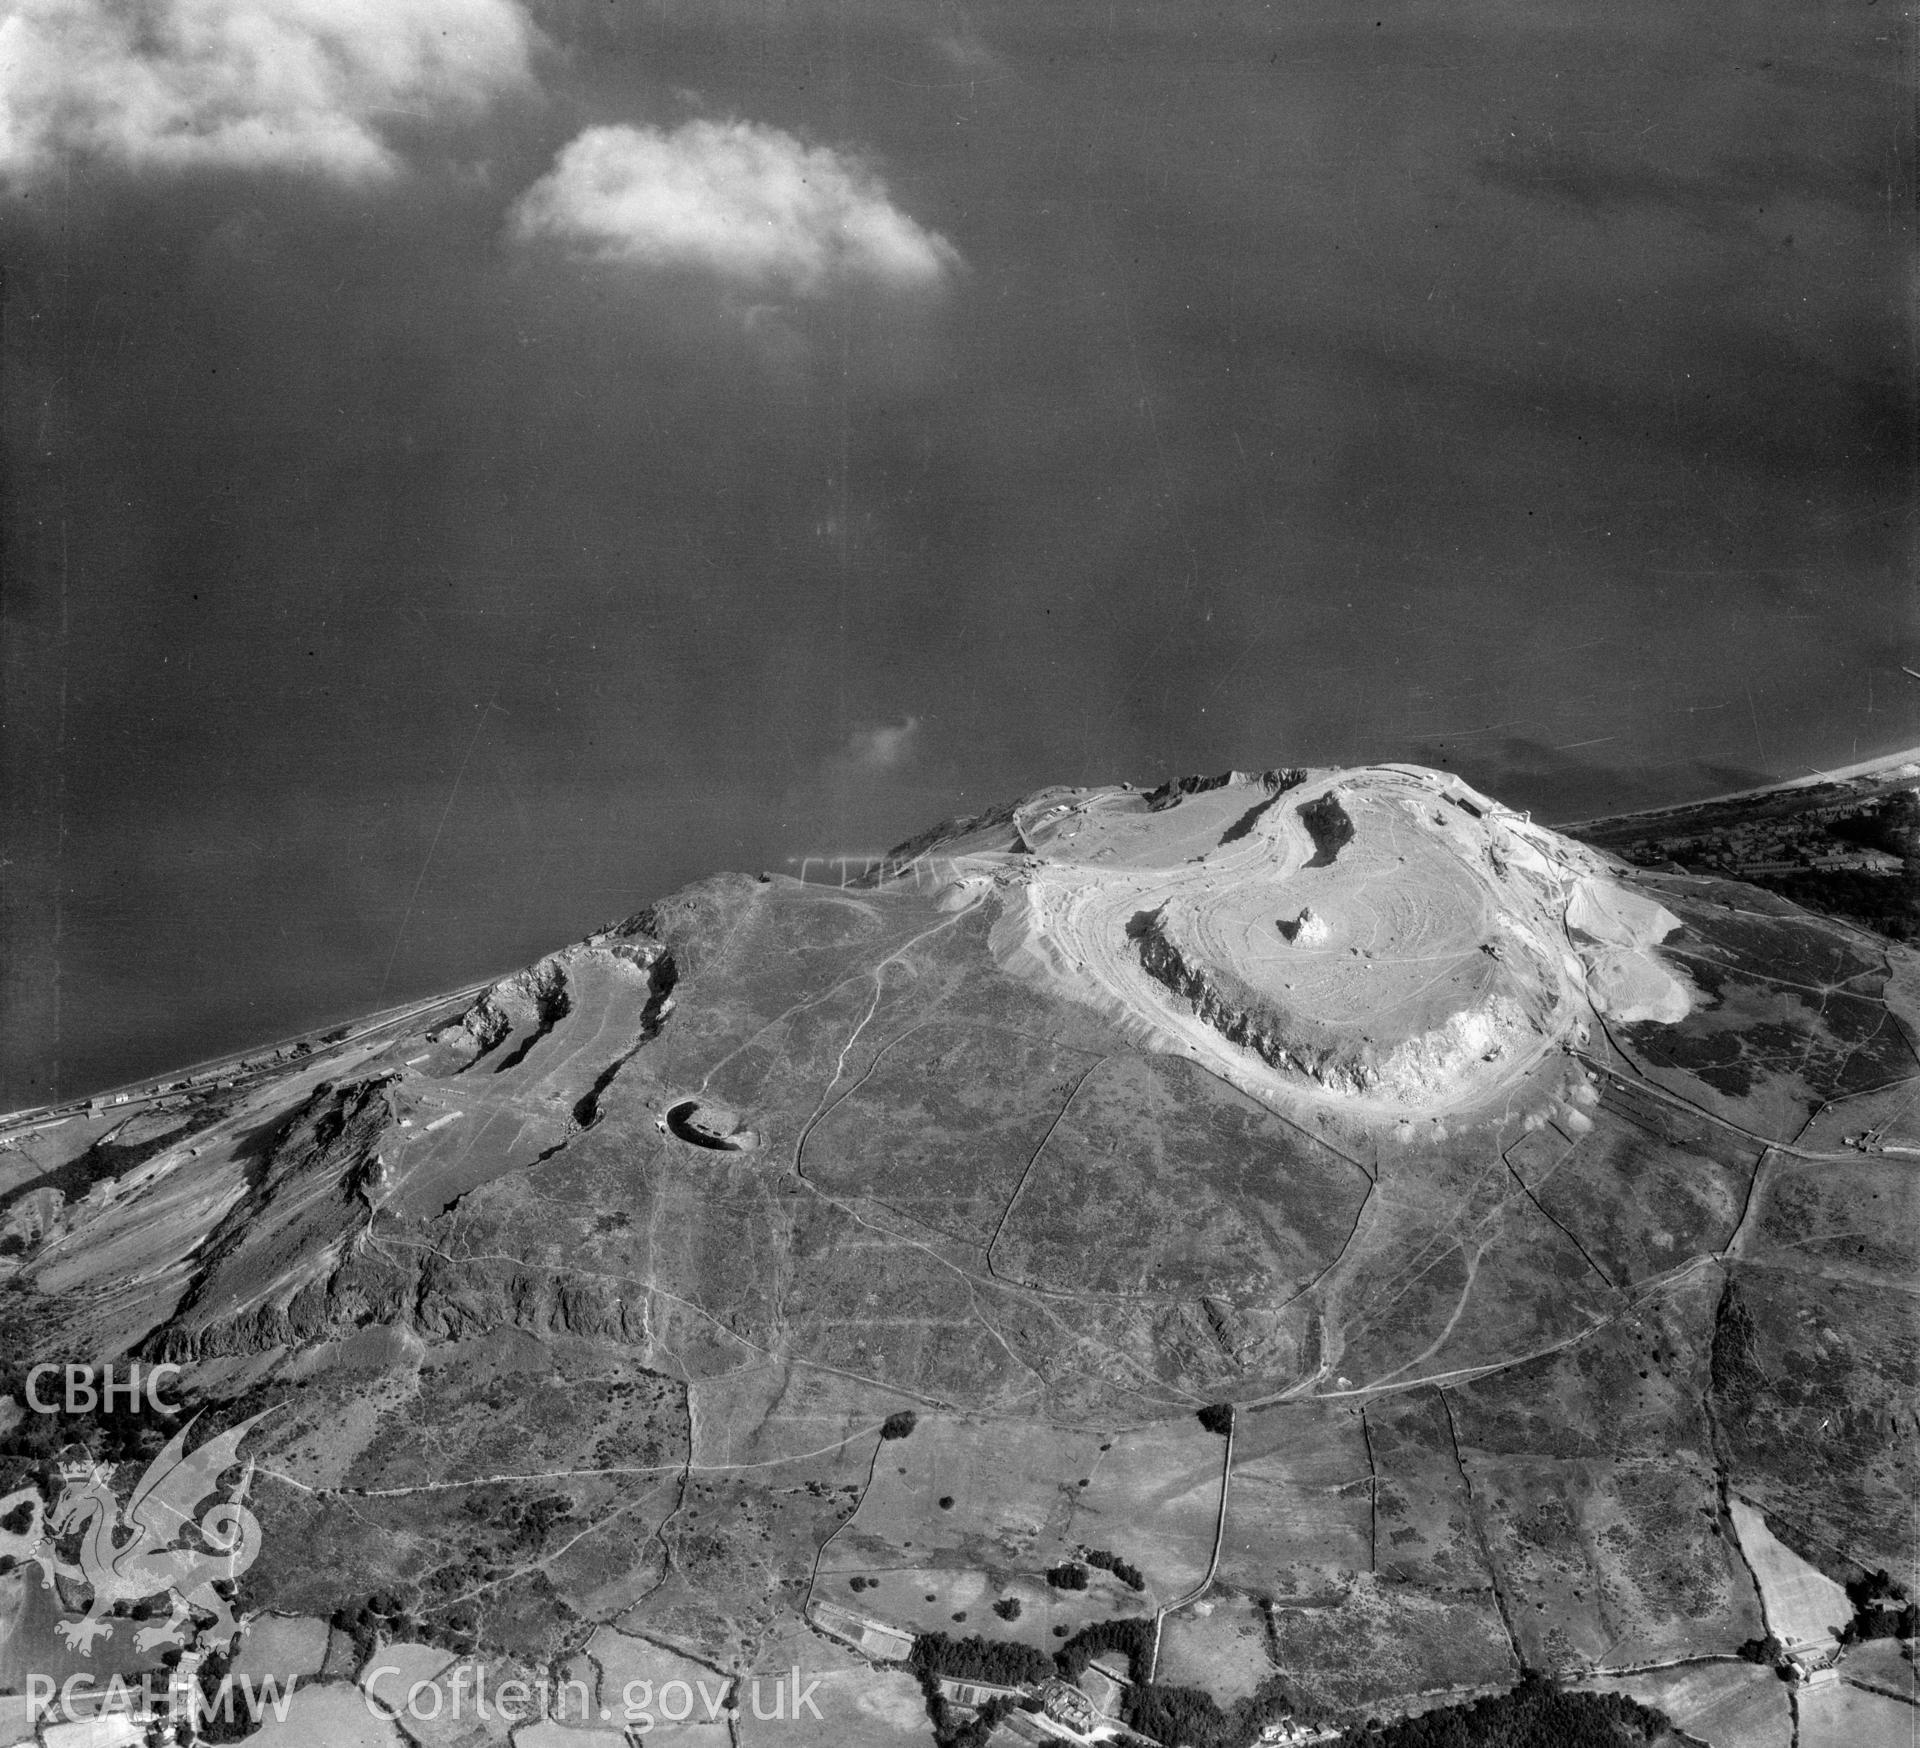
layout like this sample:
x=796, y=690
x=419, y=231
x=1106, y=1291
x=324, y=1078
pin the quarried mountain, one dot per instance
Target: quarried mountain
x=793, y=1274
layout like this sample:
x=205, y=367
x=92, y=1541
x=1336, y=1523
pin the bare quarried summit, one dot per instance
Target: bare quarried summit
x=1386, y=938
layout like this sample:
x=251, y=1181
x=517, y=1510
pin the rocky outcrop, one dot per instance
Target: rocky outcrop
x=524, y=1007
x=406, y=1286
x=1176, y=789
x=1327, y=822
x=306, y=1202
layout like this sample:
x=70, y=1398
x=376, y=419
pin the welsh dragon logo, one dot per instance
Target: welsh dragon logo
x=152, y=1547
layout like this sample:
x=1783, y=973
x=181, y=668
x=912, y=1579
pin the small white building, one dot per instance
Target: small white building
x=871, y=1638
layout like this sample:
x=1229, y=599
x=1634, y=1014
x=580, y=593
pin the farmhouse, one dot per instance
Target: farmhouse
x=1066, y=1704
x=957, y=1690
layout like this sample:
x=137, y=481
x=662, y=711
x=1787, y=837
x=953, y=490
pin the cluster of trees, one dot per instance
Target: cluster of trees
x=1132, y=1638
x=1881, y=1610
x=1190, y=1715
x=1128, y=1574
x=1008, y=1608
x=950, y=1730
x=537, y=1516
x=381, y=1612
x=1068, y=1575
x=1536, y=1714
x=973, y=1658
x=384, y=1616
x=217, y=1722
x=1889, y=904
x=1767, y=1650
x=898, y=1425
x=1217, y=1417
x=130, y=1432
x=1166, y=1713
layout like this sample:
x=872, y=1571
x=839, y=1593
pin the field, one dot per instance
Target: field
x=1725, y=1705
x=1161, y=1180
x=961, y=1514
x=1856, y=1222
x=30, y=1643
x=329, y=1715
x=1648, y=1186
x=630, y=1682
x=1814, y=1384
x=1594, y=1470
x=1384, y=1640
x=549, y=1734
x=1423, y=1528
x=1484, y=1275
x=282, y=1646
x=1892, y=1115
x=1803, y=1606
x=1612, y=1562
x=459, y=1724
x=399, y=1664
x=1224, y=1650
x=944, y=1125
x=1886, y=1664
x=430, y=1513
x=859, y=1708
x=1299, y=1509
x=1844, y=1716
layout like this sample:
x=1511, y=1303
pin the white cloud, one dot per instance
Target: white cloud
x=750, y=204
x=881, y=749
x=299, y=85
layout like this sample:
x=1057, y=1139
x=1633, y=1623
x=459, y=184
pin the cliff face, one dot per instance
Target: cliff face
x=1177, y=789
x=1243, y=1016
x=1423, y=1065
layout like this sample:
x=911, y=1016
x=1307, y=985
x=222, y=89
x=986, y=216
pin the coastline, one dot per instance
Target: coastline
x=1883, y=764
x=138, y=1092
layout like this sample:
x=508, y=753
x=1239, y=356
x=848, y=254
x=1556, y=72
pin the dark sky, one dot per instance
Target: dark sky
x=874, y=412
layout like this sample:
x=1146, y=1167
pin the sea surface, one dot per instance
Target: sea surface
x=1525, y=390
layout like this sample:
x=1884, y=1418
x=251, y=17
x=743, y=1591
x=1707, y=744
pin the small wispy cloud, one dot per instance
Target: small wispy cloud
x=751, y=205
x=885, y=748
x=300, y=85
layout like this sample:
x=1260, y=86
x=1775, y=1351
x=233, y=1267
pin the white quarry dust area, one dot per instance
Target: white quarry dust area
x=1420, y=964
